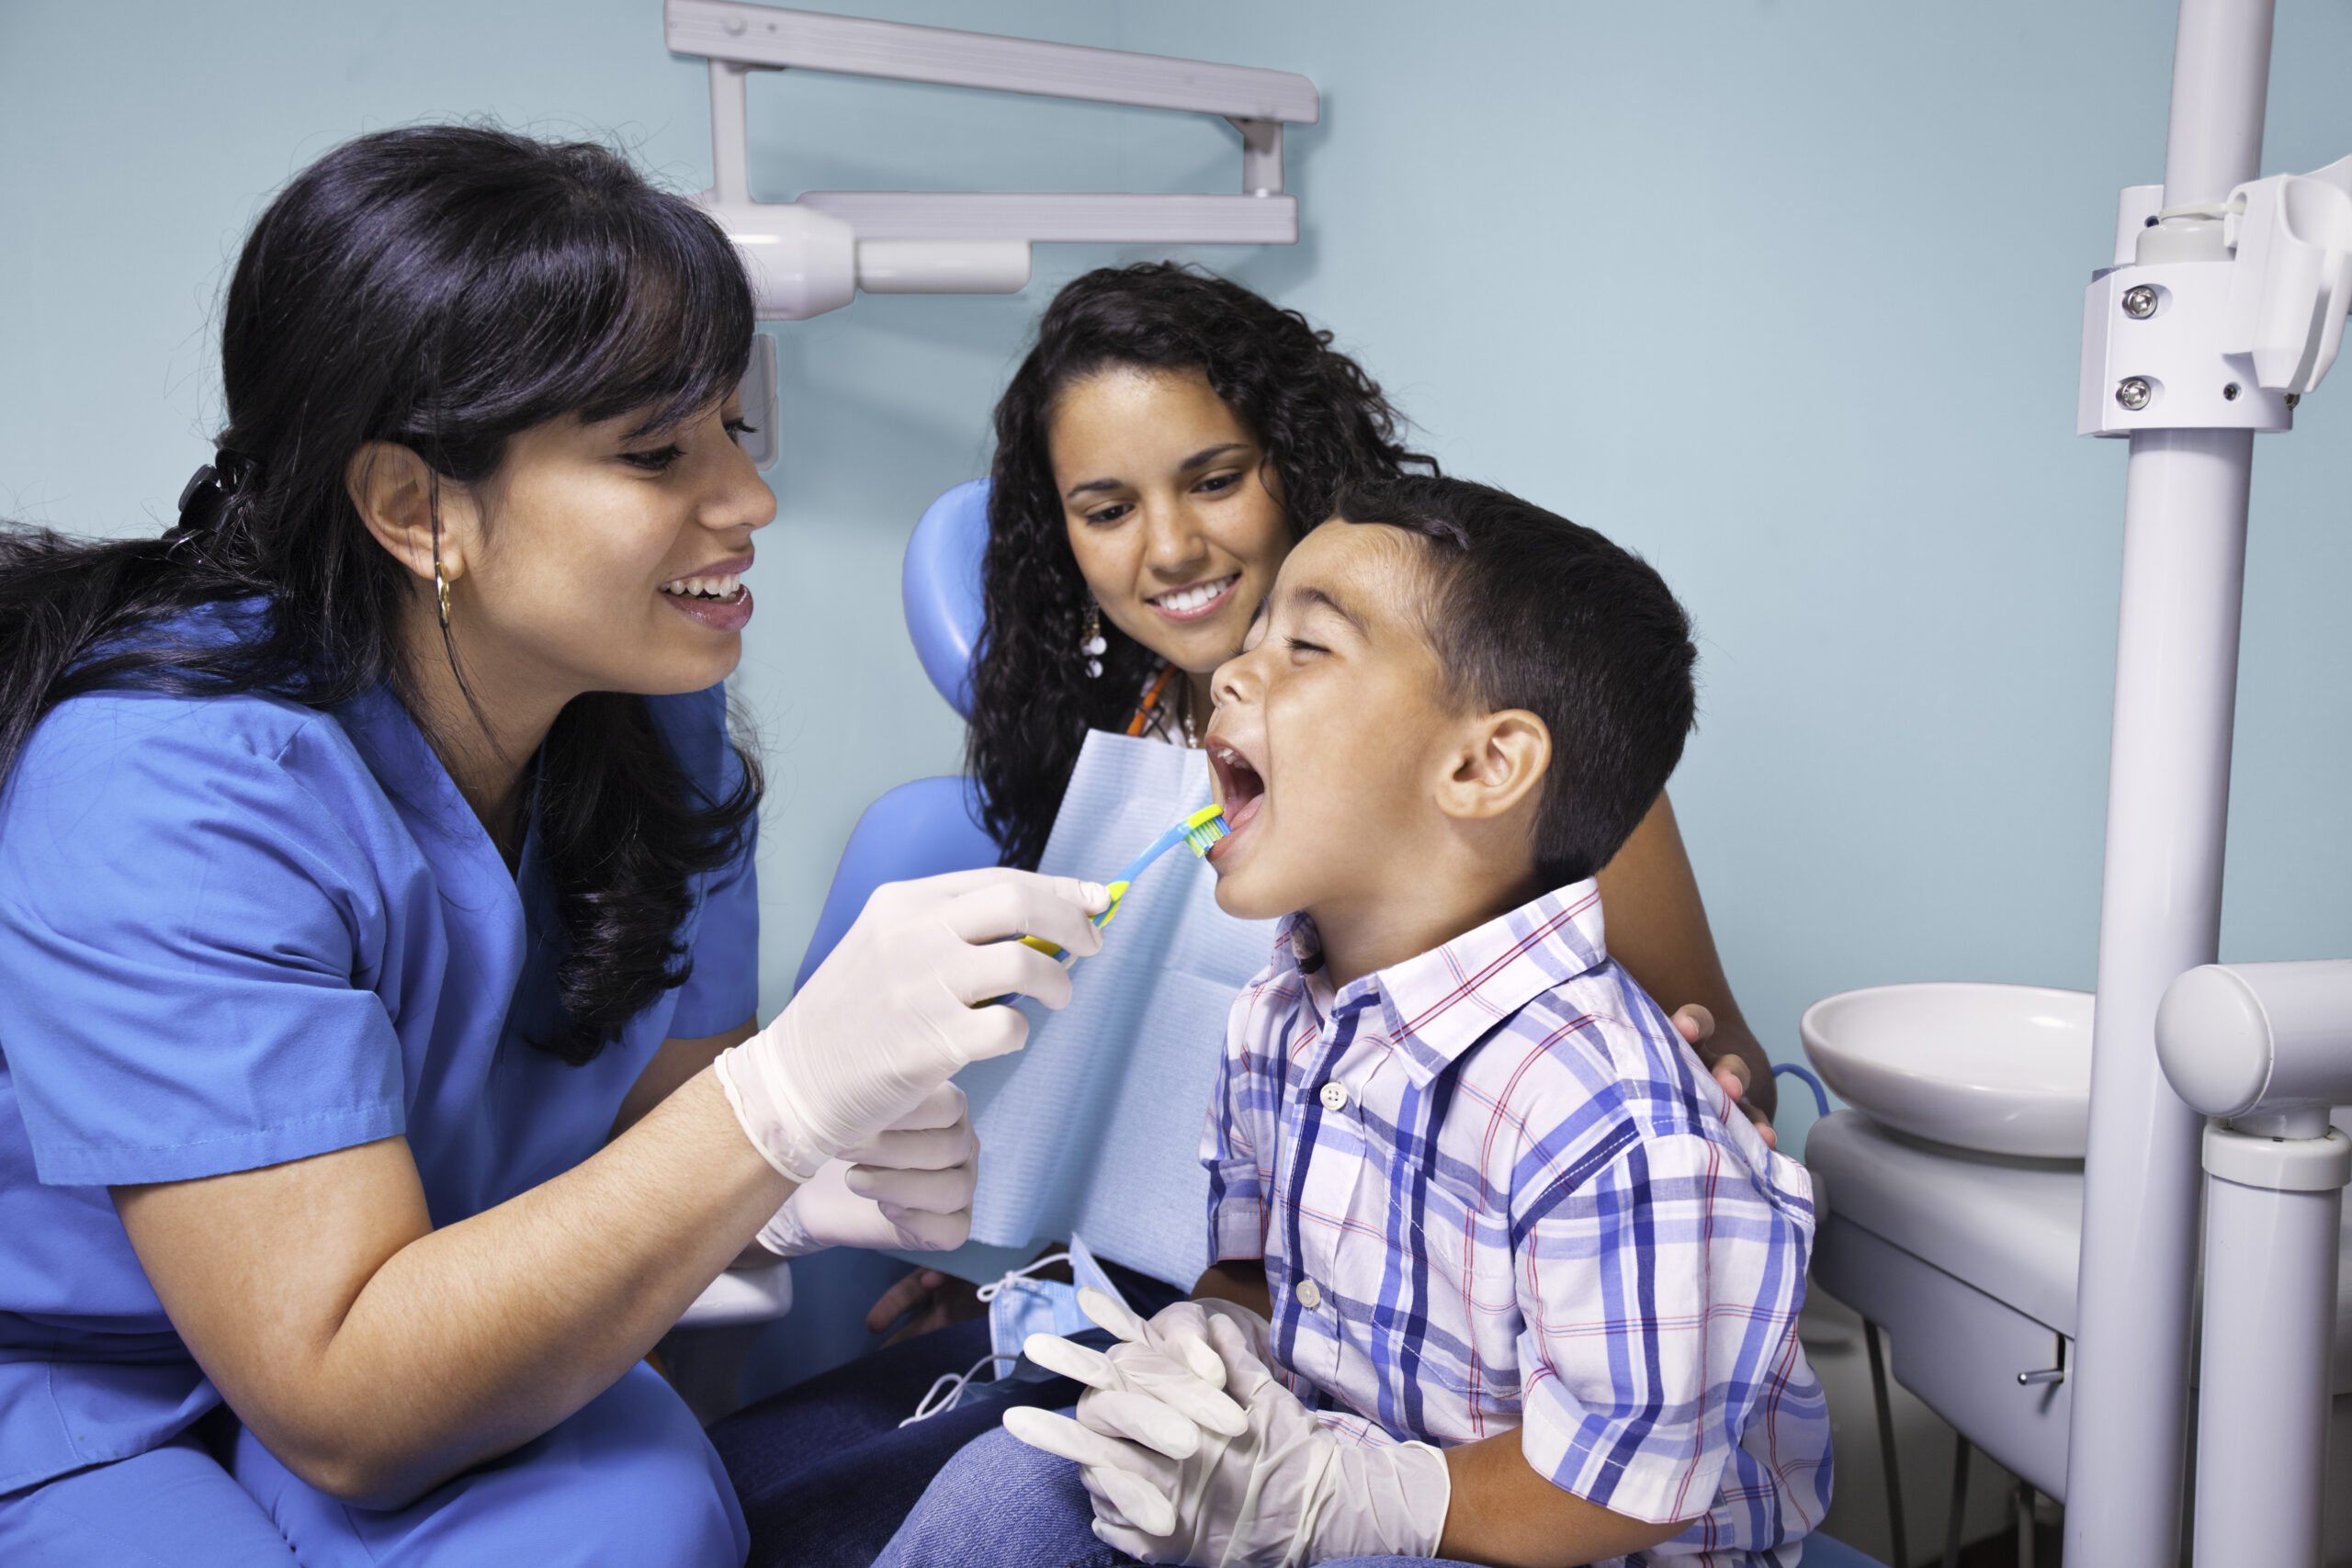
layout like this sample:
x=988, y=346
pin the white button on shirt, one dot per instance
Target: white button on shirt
x=1310, y=1294
x=1335, y=1095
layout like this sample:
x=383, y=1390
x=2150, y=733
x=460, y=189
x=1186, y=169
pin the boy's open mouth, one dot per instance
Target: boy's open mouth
x=1240, y=788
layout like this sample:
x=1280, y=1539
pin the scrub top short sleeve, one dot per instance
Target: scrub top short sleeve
x=192, y=915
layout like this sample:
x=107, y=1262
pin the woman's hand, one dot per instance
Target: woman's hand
x=934, y=1300
x=1697, y=1025
x=900, y=1005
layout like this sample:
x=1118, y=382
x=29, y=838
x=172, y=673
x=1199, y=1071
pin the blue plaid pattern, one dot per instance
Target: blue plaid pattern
x=1493, y=1188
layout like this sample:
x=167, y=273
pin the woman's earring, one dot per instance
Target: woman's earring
x=1093, y=647
x=441, y=590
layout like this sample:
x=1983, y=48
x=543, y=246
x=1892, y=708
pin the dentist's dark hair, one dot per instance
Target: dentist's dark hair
x=1324, y=424
x=443, y=288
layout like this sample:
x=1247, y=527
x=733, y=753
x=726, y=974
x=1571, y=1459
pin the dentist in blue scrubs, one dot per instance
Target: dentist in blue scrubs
x=379, y=1078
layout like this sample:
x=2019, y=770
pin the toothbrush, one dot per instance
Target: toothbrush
x=1198, y=831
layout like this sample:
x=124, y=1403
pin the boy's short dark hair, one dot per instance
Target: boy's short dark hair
x=1528, y=610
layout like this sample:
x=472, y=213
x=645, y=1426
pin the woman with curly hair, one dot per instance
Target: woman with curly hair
x=1166, y=441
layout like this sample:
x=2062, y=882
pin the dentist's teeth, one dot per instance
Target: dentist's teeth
x=725, y=587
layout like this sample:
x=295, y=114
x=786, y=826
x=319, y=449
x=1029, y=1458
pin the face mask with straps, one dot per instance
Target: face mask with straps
x=1020, y=1305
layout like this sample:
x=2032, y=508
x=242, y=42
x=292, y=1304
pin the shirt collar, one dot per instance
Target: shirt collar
x=1438, y=1004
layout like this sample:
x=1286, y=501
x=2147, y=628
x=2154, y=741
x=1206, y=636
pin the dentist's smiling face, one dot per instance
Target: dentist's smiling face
x=612, y=558
x=1164, y=492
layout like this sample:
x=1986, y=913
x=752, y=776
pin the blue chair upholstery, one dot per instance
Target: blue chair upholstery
x=940, y=589
x=922, y=828
x=931, y=825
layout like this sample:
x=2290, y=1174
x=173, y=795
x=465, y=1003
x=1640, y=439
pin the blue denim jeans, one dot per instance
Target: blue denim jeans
x=1002, y=1503
x=824, y=1470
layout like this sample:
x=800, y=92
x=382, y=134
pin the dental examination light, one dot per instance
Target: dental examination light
x=2224, y=307
x=810, y=255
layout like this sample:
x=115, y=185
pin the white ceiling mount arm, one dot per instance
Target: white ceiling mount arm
x=810, y=255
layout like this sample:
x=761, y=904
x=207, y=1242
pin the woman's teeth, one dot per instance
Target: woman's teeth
x=1183, y=600
x=705, y=587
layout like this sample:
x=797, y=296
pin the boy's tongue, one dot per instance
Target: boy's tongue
x=1241, y=789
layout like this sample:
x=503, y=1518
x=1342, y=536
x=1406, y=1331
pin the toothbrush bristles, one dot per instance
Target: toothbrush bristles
x=1206, y=834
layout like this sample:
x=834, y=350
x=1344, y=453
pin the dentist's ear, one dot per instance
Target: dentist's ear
x=395, y=494
x=1498, y=764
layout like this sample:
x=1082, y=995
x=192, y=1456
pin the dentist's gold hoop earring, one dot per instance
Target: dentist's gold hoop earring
x=441, y=591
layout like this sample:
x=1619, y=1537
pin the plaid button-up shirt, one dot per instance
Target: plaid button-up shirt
x=1493, y=1188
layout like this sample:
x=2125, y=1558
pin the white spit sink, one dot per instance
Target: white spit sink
x=2002, y=1069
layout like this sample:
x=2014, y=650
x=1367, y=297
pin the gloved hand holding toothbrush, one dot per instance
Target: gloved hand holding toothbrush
x=1176, y=1478
x=894, y=1012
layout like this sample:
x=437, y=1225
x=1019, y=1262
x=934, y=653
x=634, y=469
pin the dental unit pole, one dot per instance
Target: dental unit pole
x=811, y=255
x=2224, y=305
x=2265, y=1049
x=2160, y=899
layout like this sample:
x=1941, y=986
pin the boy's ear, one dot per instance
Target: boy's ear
x=395, y=493
x=1498, y=763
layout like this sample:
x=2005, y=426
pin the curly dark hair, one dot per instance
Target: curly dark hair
x=1324, y=425
x=446, y=288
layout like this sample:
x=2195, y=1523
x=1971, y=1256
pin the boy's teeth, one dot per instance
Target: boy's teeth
x=1193, y=598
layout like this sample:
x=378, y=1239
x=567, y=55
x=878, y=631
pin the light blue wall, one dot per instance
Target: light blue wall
x=1785, y=295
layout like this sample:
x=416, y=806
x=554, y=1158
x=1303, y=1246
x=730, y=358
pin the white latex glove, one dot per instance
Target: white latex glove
x=1159, y=1387
x=898, y=1007
x=910, y=1185
x=1283, y=1492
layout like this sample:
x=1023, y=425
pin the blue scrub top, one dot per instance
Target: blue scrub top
x=236, y=931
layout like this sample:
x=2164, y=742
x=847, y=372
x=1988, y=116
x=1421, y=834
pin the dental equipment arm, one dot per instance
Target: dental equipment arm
x=2265, y=1049
x=809, y=256
x=2223, y=306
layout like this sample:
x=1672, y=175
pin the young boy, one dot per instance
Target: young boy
x=1505, y=1279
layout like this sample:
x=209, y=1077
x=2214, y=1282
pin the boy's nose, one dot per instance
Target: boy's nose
x=1233, y=680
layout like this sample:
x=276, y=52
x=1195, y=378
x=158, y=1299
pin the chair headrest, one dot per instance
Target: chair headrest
x=940, y=589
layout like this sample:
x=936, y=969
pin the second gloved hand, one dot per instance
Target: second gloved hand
x=910, y=1185
x=1284, y=1491
x=897, y=1008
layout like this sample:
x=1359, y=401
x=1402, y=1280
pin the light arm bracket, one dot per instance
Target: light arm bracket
x=810, y=255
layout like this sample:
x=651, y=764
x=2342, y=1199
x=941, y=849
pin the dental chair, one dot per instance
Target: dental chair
x=932, y=826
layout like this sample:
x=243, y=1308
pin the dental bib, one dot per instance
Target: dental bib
x=1095, y=1126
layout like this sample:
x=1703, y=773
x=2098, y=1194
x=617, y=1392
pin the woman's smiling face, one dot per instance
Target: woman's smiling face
x=1165, y=494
